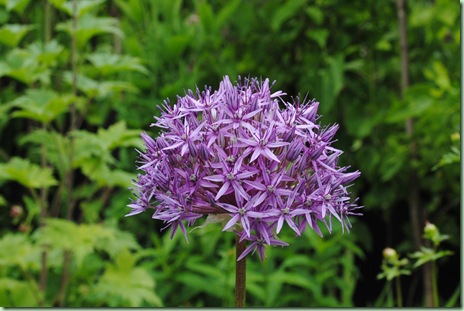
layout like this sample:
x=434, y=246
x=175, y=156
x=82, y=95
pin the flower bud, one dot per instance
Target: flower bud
x=317, y=151
x=24, y=227
x=329, y=133
x=253, y=103
x=16, y=211
x=214, y=114
x=192, y=148
x=389, y=253
x=203, y=152
x=311, y=114
x=430, y=229
x=161, y=142
x=349, y=177
x=288, y=136
x=149, y=142
x=294, y=151
x=221, y=139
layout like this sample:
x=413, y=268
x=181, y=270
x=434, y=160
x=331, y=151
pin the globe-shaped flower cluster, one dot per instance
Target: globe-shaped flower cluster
x=247, y=156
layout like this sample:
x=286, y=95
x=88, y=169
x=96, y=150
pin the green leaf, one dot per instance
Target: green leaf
x=4, y=112
x=422, y=17
x=57, y=148
x=17, y=250
x=417, y=100
x=332, y=82
x=89, y=26
x=284, y=12
x=12, y=34
x=23, y=66
x=18, y=293
x=93, y=88
x=117, y=242
x=81, y=239
x=93, y=153
x=42, y=105
x=26, y=173
x=57, y=3
x=111, y=63
x=176, y=45
x=2, y=201
x=427, y=254
x=315, y=14
x=46, y=53
x=452, y=157
x=82, y=7
x=439, y=75
x=118, y=135
x=228, y=10
x=198, y=283
x=453, y=300
x=318, y=35
x=16, y=5
x=124, y=284
x=58, y=233
x=206, y=15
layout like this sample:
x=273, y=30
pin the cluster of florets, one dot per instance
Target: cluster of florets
x=248, y=156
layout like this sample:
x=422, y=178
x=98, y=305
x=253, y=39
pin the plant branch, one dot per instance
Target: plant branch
x=42, y=217
x=31, y=281
x=64, y=279
x=399, y=296
x=69, y=178
x=416, y=214
x=240, y=274
x=434, y=285
x=47, y=21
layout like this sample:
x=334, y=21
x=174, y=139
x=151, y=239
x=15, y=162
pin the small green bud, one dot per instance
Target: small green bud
x=389, y=253
x=430, y=229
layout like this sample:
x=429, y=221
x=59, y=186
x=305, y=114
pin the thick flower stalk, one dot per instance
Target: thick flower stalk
x=245, y=155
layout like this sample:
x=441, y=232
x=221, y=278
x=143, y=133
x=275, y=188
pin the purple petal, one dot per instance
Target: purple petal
x=223, y=189
x=280, y=222
x=217, y=178
x=247, y=250
x=268, y=154
x=231, y=222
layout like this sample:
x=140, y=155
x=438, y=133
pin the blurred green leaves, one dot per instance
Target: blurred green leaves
x=15, y=5
x=42, y=105
x=89, y=26
x=51, y=88
x=107, y=64
x=125, y=284
x=28, y=174
x=11, y=34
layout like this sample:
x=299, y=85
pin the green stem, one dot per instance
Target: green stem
x=240, y=274
x=48, y=22
x=64, y=279
x=434, y=285
x=399, y=296
x=30, y=282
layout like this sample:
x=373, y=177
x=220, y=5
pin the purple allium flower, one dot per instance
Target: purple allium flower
x=246, y=154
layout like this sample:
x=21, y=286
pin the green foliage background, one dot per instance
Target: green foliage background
x=80, y=79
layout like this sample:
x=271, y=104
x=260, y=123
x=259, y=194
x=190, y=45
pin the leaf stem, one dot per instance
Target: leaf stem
x=240, y=274
x=64, y=278
x=434, y=285
x=69, y=177
x=399, y=296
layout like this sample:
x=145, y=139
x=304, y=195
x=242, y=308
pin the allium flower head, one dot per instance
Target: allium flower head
x=246, y=154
